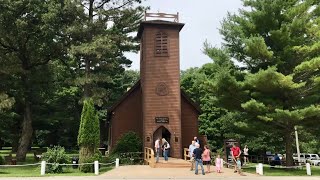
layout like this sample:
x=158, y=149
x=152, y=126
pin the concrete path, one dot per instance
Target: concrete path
x=145, y=172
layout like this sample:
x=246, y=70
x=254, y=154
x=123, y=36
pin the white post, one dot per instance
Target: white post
x=117, y=162
x=43, y=168
x=297, y=144
x=96, y=167
x=308, y=169
x=260, y=167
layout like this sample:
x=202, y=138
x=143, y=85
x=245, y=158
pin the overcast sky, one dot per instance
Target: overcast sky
x=202, y=19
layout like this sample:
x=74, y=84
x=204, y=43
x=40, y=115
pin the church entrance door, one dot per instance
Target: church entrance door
x=162, y=132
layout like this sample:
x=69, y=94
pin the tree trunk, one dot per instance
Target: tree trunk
x=85, y=153
x=26, y=133
x=289, y=150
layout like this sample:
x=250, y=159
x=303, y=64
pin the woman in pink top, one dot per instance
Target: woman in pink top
x=218, y=164
x=206, y=158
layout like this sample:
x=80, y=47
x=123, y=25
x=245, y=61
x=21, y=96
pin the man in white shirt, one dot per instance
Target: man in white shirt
x=191, y=148
x=157, y=149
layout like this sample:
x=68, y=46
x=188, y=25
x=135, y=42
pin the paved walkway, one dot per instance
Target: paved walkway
x=145, y=172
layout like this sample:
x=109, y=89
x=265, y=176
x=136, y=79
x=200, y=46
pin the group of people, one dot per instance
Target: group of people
x=203, y=157
x=165, y=146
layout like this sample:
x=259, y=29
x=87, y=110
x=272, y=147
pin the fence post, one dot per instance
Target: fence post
x=308, y=169
x=260, y=166
x=117, y=162
x=96, y=167
x=43, y=168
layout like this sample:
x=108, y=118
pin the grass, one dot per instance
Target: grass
x=267, y=171
x=34, y=171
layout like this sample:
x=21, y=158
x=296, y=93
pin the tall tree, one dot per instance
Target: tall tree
x=278, y=42
x=99, y=40
x=30, y=37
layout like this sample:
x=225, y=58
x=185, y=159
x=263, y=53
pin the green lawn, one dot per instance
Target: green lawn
x=267, y=171
x=35, y=171
x=32, y=171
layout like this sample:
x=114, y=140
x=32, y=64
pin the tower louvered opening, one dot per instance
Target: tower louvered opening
x=161, y=44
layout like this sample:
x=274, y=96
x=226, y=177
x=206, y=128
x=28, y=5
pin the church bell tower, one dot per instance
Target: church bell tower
x=160, y=80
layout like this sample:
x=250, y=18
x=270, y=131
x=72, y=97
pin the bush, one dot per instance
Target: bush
x=57, y=156
x=1, y=160
x=128, y=142
x=89, y=131
x=90, y=167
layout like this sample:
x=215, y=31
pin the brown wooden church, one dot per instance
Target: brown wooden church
x=156, y=106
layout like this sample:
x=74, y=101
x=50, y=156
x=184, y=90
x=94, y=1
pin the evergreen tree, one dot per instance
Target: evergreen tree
x=89, y=131
x=99, y=40
x=278, y=41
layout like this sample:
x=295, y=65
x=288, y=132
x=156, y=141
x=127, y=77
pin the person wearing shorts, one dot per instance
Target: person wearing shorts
x=246, y=155
x=191, y=148
x=235, y=152
x=206, y=158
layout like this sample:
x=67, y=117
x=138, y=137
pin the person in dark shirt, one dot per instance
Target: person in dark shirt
x=197, y=153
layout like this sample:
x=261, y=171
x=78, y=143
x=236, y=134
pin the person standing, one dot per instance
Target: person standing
x=157, y=149
x=218, y=164
x=235, y=152
x=246, y=155
x=196, y=140
x=206, y=157
x=197, y=153
x=166, y=148
x=191, y=148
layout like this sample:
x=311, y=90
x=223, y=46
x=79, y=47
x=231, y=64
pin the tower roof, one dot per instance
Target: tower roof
x=161, y=23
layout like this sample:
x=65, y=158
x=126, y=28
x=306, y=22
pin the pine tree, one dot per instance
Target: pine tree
x=278, y=41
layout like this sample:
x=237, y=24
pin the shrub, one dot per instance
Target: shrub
x=1, y=160
x=129, y=142
x=89, y=131
x=87, y=168
x=57, y=156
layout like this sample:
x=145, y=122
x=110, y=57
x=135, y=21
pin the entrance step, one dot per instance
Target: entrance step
x=173, y=163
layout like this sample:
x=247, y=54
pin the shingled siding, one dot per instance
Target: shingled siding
x=189, y=122
x=157, y=70
x=127, y=117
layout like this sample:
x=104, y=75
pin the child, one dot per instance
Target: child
x=218, y=164
x=238, y=165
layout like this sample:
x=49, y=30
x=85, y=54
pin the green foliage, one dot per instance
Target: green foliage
x=5, y=101
x=89, y=131
x=128, y=142
x=1, y=160
x=88, y=168
x=57, y=156
x=277, y=41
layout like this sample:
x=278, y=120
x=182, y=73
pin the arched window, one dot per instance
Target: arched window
x=161, y=44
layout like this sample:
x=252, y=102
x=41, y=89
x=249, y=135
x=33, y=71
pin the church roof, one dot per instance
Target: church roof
x=138, y=85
